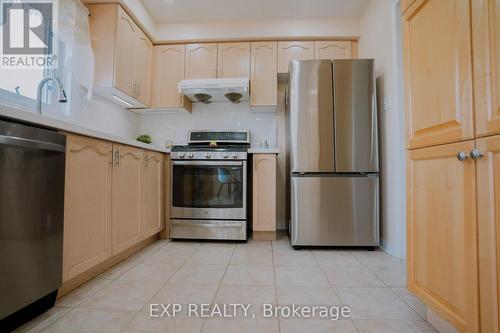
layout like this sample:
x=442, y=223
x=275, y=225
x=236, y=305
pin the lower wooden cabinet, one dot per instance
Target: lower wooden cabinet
x=264, y=192
x=114, y=198
x=442, y=232
x=87, y=205
x=153, y=189
x=488, y=212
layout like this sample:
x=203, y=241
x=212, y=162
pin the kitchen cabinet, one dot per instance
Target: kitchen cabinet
x=264, y=194
x=126, y=198
x=442, y=235
x=165, y=232
x=486, y=41
x=152, y=193
x=233, y=60
x=87, y=205
x=405, y=4
x=333, y=50
x=123, y=56
x=263, y=76
x=293, y=51
x=438, y=72
x=168, y=72
x=488, y=211
x=201, y=61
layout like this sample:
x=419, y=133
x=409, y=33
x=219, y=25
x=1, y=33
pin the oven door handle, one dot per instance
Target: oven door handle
x=208, y=225
x=208, y=162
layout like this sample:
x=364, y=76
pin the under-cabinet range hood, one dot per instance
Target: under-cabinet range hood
x=215, y=90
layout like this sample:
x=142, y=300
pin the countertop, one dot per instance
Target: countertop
x=37, y=119
x=263, y=151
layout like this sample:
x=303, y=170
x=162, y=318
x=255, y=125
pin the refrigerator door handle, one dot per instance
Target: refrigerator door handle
x=373, y=127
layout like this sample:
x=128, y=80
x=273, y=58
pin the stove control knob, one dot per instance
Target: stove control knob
x=207, y=155
x=225, y=155
x=181, y=155
x=190, y=155
x=235, y=155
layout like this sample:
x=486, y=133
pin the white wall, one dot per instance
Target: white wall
x=222, y=115
x=379, y=40
x=181, y=31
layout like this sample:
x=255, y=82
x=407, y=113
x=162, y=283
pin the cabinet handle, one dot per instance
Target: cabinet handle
x=117, y=157
x=462, y=156
x=111, y=158
x=138, y=90
x=475, y=154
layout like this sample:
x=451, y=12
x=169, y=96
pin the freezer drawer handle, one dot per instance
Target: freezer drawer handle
x=27, y=143
x=209, y=225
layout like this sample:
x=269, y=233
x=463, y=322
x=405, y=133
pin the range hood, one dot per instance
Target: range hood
x=215, y=90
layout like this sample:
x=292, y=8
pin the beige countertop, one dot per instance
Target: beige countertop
x=38, y=119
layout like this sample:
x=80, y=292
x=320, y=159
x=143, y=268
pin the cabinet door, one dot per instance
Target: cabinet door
x=438, y=86
x=442, y=235
x=201, y=61
x=87, y=205
x=126, y=201
x=293, y=51
x=264, y=192
x=486, y=41
x=152, y=184
x=264, y=78
x=126, y=31
x=332, y=50
x=168, y=71
x=488, y=208
x=142, y=72
x=233, y=60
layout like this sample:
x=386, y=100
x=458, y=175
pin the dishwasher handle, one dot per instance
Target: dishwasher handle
x=28, y=143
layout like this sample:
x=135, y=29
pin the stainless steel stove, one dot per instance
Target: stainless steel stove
x=209, y=186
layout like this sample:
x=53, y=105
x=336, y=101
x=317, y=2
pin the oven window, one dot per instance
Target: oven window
x=208, y=186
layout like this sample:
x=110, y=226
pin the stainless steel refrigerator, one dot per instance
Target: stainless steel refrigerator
x=332, y=153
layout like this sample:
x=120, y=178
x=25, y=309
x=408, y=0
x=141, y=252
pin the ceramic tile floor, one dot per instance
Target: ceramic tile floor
x=372, y=283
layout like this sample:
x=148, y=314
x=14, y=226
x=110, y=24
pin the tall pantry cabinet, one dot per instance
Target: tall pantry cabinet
x=452, y=106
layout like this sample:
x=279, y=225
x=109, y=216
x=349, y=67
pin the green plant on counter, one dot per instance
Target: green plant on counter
x=146, y=138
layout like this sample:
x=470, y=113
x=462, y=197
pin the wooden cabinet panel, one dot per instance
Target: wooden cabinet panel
x=438, y=86
x=201, y=61
x=168, y=71
x=442, y=233
x=152, y=202
x=405, y=4
x=332, y=50
x=126, y=197
x=233, y=60
x=264, y=78
x=293, y=51
x=87, y=205
x=486, y=41
x=143, y=49
x=488, y=208
x=125, y=62
x=264, y=192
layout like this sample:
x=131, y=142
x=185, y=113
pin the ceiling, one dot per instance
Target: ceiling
x=164, y=11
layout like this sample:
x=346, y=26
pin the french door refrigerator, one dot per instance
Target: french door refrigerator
x=332, y=153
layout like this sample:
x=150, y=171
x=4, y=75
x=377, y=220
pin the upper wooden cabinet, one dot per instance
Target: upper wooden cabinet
x=168, y=72
x=123, y=56
x=332, y=50
x=442, y=232
x=233, y=60
x=488, y=212
x=405, y=4
x=486, y=42
x=87, y=205
x=152, y=193
x=126, y=199
x=438, y=69
x=293, y=51
x=264, y=78
x=201, y=61
x=264, y=192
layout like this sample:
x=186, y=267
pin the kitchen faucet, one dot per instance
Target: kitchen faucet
x=60, y=91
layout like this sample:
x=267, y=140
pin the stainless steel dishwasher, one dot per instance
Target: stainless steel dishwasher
x=32, y=162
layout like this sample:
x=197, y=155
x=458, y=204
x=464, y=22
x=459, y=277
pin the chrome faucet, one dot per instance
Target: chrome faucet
x=60, y=91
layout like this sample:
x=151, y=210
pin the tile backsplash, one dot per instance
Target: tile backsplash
x=218, y=115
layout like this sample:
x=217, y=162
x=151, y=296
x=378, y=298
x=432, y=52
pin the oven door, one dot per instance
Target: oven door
x=209, y=190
